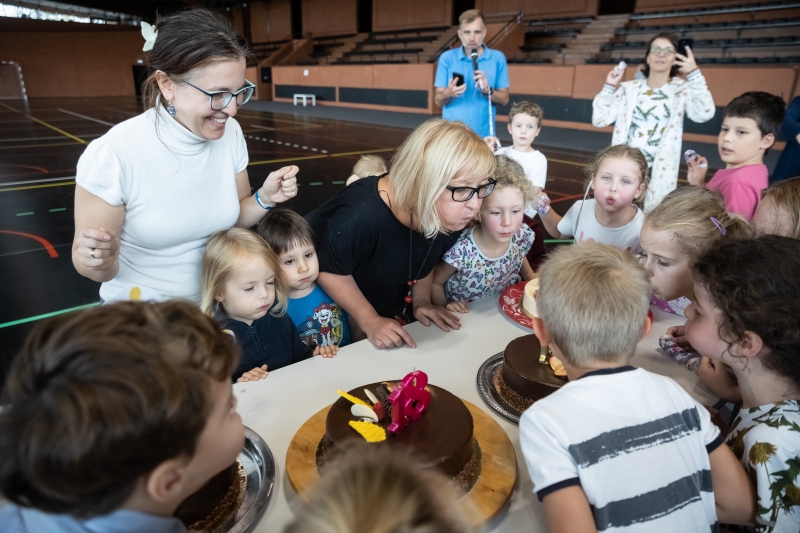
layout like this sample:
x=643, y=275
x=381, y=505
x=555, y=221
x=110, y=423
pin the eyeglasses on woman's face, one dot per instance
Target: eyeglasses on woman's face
x=465, y=194
x=656, y=50
x=219, y=99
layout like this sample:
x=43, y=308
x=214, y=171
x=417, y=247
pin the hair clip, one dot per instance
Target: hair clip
x=719, y=225
x=149, y=33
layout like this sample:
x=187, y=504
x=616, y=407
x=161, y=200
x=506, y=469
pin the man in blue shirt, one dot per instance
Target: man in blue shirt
x=469, y=102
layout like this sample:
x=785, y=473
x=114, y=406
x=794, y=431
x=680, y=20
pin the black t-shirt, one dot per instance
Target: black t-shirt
x=359, y=235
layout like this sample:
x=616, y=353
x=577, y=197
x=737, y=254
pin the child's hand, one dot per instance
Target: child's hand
x=493, y=142
x=254, y=375
x=543, y=205
x=717, y=378
x=679, y=336
x=697, y=169
x=460, y=306
x=326, y=351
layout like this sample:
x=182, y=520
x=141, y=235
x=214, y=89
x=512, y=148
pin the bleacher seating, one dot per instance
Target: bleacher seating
x=395, y=46
x=263, y=50
x=700, y=12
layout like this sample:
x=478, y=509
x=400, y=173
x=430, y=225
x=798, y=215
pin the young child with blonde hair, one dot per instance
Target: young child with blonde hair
x=373, y=490
x=490, y=256
x=244, y=289
x=619, y=177
x=367, y=165
x=675, y=233
x=778, y=213
x=619, y=447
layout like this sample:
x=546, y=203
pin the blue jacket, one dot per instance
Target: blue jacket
x=15, y=519
x=270, y=340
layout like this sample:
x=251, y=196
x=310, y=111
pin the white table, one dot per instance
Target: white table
x=304, y=97
x=276, y=407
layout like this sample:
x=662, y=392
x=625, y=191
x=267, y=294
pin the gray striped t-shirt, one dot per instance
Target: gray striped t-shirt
x=635, y=442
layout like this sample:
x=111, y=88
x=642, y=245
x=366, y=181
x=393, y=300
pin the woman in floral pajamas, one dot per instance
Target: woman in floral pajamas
x=648, y=113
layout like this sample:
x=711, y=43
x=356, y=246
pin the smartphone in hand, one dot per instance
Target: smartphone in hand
x=683, y=43
x=459, y=79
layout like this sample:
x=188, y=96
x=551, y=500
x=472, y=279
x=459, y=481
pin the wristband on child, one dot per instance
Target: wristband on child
x=262, y=204
x=543, y=205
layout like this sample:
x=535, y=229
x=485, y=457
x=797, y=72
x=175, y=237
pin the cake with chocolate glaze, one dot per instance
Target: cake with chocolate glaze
x=442, y=439
x=214, y=504
x=522, y=379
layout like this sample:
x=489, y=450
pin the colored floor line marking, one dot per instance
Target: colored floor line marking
x=287, y=159
x=87, y=118
x=57, y=209
x=337, y=182
x=26, y=213
x=37, y=145
x=44, y=242
x=315, y=183
x=43, y=123
x=28, y=182
x=9, y=189
x=558, y=241
x=46, y=315
x=379, y=150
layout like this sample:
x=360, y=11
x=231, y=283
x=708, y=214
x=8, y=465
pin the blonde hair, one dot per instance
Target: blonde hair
x=509, y=173
x=373, y=490
x=593, y=299
x=687, y=212
x=623, y=151
x=526, y=108
x=785, y=196
x=369, y=165
x=435, y=153
x=226, y=250
x=468, y=16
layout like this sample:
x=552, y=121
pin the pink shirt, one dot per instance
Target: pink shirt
x=741, y=188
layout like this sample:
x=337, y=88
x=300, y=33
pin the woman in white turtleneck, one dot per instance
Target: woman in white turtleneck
x=153, y=189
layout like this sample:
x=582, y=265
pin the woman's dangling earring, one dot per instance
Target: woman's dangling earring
x=171, y=109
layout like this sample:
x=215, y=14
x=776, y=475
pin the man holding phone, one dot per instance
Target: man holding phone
x=462, y=90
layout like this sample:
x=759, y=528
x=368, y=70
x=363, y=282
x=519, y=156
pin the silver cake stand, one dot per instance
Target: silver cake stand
x=256, y=458
x=489, y=394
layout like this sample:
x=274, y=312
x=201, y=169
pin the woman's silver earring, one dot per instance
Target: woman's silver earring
x=171, y=109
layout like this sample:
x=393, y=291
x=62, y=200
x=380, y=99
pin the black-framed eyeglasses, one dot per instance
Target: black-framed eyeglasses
x=218, y=100
x=465, y=194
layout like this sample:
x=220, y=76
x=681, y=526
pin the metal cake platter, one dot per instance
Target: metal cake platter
x=259, y=465
x=489, y=394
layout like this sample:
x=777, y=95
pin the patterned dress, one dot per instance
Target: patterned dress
x=480, y=276
x=766, y=439
x=650, y=119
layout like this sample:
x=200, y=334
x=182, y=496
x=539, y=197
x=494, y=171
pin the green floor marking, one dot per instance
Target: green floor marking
x=46, y=315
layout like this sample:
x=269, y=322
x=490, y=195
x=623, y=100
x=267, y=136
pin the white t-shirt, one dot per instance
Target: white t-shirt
x=635, y=442
x=535, y=166
x=589, y=229
x=177, y=190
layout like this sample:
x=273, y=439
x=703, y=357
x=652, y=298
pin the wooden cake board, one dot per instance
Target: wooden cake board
x=483, y=502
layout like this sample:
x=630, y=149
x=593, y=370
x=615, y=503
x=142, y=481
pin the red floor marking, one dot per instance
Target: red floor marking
x=43, y=242
x=40, y=169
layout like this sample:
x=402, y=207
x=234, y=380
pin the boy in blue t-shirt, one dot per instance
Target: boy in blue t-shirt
x=318, y=319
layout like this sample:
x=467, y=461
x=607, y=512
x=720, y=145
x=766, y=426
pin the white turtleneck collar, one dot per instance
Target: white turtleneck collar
x=176, y=136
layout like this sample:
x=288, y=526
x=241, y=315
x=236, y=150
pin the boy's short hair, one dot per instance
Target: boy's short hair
x=283, y=229
x=99, y=398
x=509, y=173
x=527, y=108
x=469, y=16
x=370, y=165
x=593, y=299
x=765, y=108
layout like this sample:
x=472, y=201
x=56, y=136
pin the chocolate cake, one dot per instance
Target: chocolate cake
x=216, y=502
x=522, y=379
x=441, y=439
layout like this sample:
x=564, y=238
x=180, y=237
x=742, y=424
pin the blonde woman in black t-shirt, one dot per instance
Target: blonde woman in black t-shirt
x=380, y=237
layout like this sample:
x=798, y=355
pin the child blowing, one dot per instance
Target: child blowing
x=244, y=289
x=749, y=127
x=619, y=179
x=747, y=315
x=117, y=414
x=619, y=447
x=490, y=256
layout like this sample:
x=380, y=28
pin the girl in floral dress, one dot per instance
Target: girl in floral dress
x=746, y=313
x=489, y=257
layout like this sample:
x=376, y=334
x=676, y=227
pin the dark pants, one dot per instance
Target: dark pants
x=538, y=252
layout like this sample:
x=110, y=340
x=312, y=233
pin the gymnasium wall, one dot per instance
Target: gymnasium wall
x=540, y=8
x=270, y=21
x=325, y=17
x=74, y=63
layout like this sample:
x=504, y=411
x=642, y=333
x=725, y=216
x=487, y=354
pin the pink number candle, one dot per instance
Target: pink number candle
x=409, y=400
